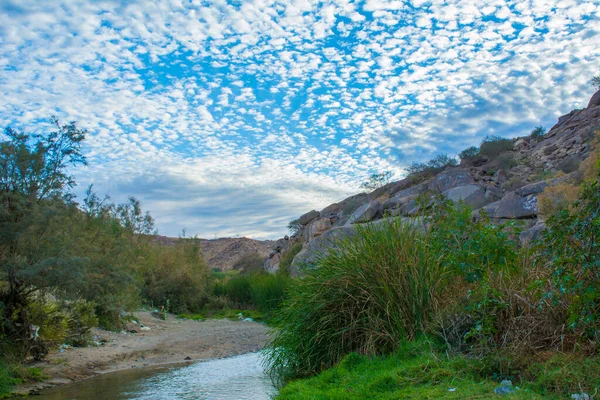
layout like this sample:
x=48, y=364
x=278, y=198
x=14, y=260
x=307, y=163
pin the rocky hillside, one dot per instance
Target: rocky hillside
x=223, y=253
x=505, y=182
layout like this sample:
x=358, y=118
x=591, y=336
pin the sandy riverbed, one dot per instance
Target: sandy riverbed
x=169, y=341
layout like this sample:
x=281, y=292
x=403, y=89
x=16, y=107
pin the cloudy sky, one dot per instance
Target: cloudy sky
x=232, y=117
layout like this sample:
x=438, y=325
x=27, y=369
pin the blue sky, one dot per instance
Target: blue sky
x=232, y=117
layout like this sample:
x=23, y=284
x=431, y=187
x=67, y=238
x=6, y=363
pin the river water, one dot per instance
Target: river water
x=239, y=377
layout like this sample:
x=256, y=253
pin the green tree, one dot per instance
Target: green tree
x=34, y=191
x=595, y=81
x=377, y=180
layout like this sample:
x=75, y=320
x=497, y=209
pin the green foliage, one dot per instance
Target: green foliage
x=595, y=82
x=7, y=380
x=250, y=264
x=437, y=164
x=294, y=226
x=261, y=291
x=537, y=132
x=174, y=277
x=572, y=249
x=492, y=146
x=286, y=260
x=376, y=181
x=469, y=154
x=470, y=247
x=378, y=290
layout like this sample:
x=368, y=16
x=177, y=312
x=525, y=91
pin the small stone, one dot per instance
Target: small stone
x=503, y=390
x=582, y=396
x=188, y=358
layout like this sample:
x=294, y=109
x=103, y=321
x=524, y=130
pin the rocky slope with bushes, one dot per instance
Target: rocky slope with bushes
x=224, y=253
x=508, y=179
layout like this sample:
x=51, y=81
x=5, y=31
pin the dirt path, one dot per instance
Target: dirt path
x=170, y=341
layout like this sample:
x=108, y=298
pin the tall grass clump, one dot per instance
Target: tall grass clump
x=376, y=290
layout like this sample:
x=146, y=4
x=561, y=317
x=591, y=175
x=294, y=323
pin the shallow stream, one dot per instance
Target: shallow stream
x=239, y=377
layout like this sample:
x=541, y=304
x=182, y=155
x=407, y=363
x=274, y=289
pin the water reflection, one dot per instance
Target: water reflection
x=240, y=377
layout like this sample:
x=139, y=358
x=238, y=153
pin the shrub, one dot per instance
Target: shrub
x=174, y=275
x=377, y=180
x=469, y=153
x=492, y=146
x=250, y=264
x=537, y=132
x=294, y=227
x=268, y=292
x=595, y=82
x=571, y=246
x=378, y=289
x=557, y=197
x=432, y=167
x=506, y=161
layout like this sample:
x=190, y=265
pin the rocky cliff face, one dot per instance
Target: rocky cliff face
x=505, y=187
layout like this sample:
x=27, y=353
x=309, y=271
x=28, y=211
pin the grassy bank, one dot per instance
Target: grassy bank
x=419, y=372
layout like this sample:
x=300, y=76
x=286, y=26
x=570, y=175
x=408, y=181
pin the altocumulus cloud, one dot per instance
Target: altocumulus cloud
x=233, y=117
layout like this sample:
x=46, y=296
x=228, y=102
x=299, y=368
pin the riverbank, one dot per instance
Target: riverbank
x=150, y=342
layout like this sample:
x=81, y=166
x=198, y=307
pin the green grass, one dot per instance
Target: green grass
x=228, y=313
x=377, y=291
x=401, y=376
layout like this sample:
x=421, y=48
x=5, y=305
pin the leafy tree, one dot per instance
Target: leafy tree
x=34, y=192
x=433, y=166
x=469, y=153
x=294, y=226
x=537, y=132
x=377, y=180
x=595, y=81
x=492, y=146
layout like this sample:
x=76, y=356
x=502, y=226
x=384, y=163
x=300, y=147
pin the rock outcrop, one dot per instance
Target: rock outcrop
x=505, y=190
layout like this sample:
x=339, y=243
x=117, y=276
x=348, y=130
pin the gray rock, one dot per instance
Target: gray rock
x=329, y=210
x=580, y=396
x=506, y=387
x=493, y=193
x=391, y=204
x=365, y=213
x=309, y=216
x=272, y=263
x=317, y=227
x=450, y=178
x=513, y=206
x=595, y=100
x=309, y=254
x=500, y=177
x=532, y=234
x=472, y=195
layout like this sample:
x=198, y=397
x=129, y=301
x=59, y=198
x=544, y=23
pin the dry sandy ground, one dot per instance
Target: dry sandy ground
x=170, y=341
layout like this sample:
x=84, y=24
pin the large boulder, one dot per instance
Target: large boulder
x=472, y=195
x=595, y=100
x=365, y=213
x=321, y=244
x=513, y=206
x=272, y=263
x=317, y=227
x=450, y=178
x=309, y=216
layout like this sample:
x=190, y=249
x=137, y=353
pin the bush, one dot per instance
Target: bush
x=174, y=275
x=492, y=146
x=557, y=197
x=380, y=288
x=294, y=227
x=432, y=167
x=537, y=132
x=572, y=250
x=250, y=264
x=469, y=153
x=377, y=180
x=268, y=292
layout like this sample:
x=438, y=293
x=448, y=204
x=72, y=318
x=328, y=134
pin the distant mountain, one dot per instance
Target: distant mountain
x=223, y=253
